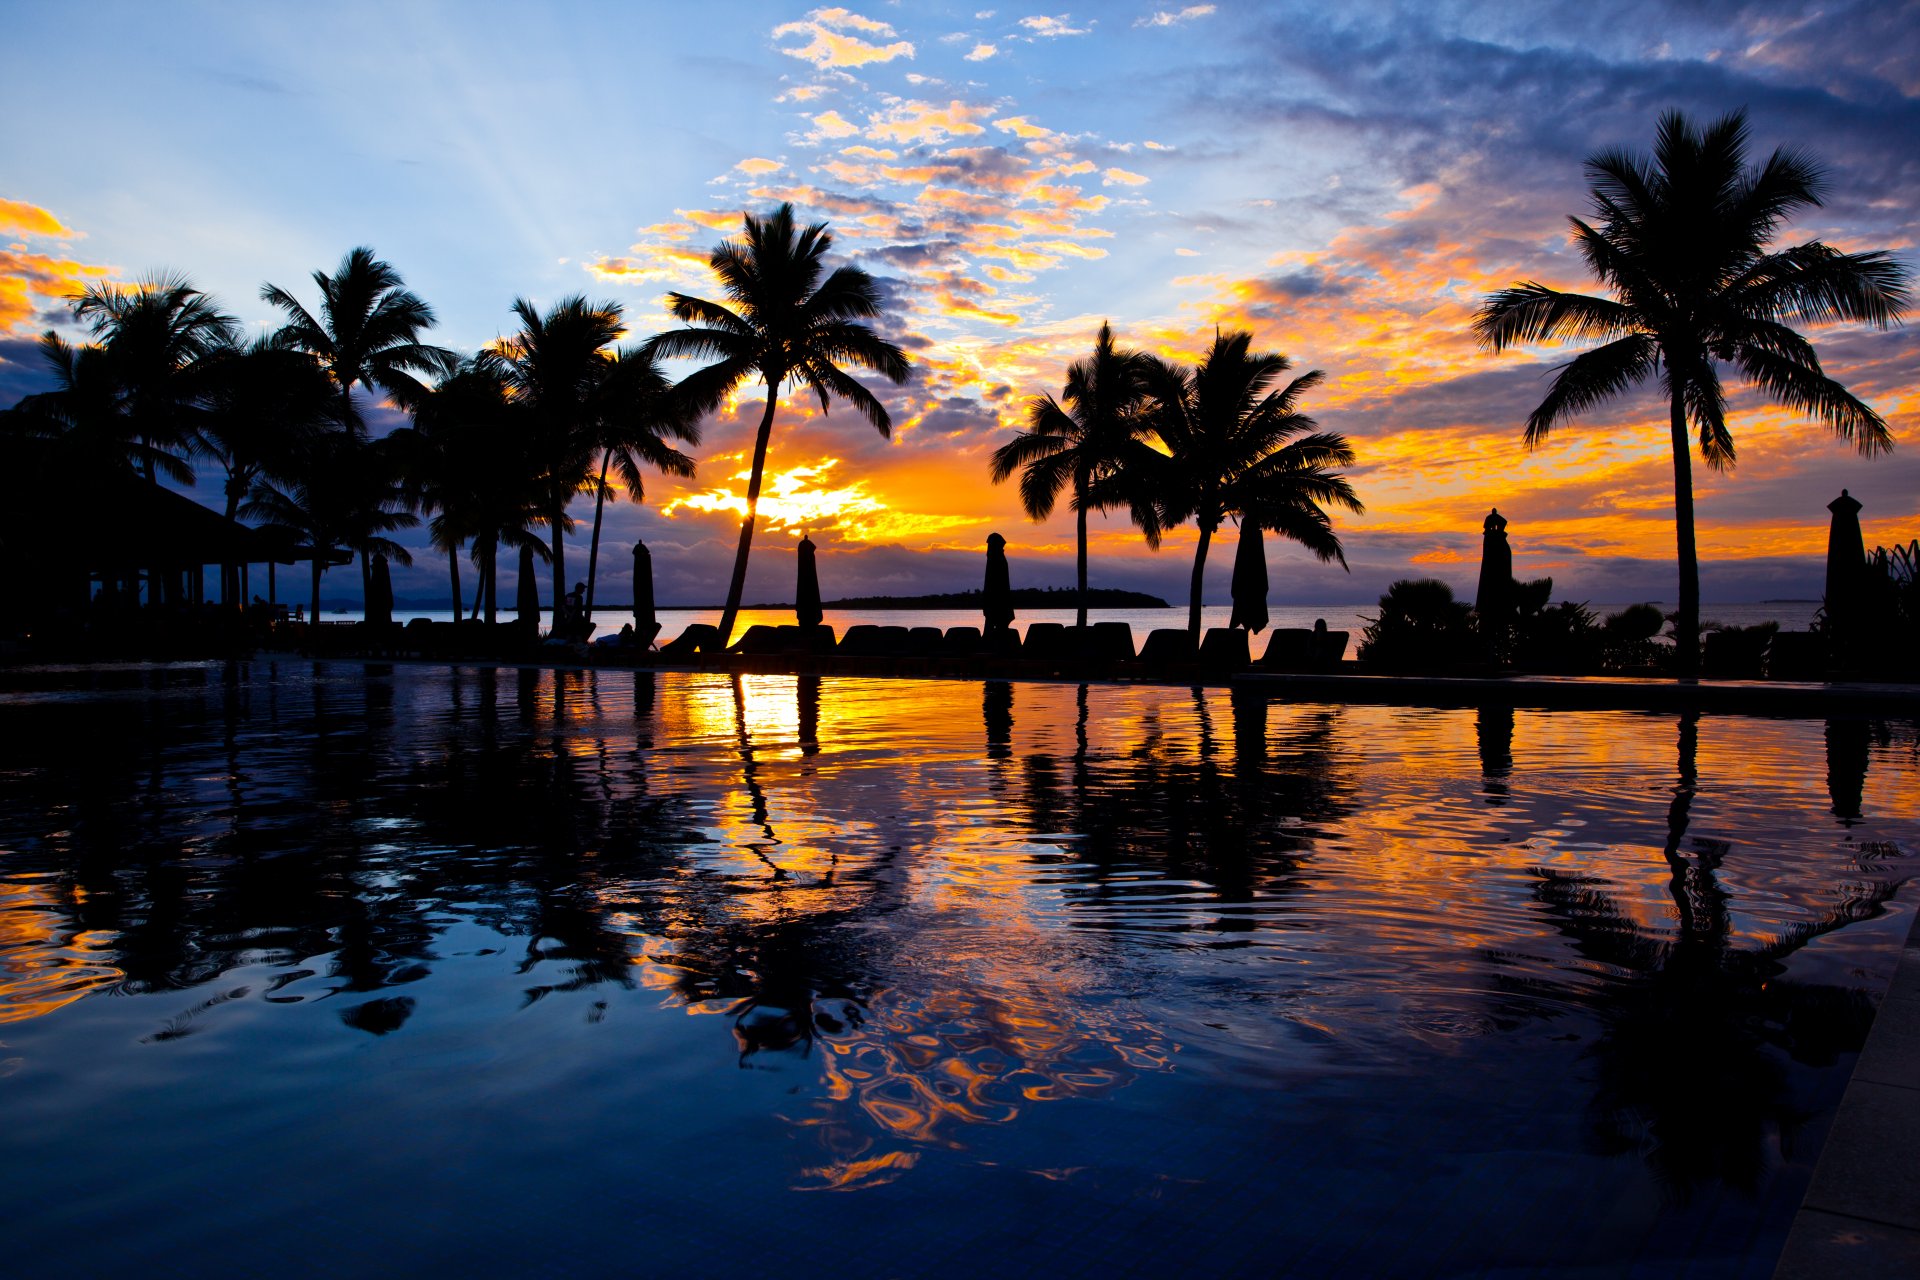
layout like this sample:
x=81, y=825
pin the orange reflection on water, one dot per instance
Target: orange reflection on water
x=42, y=969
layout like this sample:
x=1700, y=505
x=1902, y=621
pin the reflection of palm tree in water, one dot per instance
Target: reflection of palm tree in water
x=1692, y=1024
x=1175, y=803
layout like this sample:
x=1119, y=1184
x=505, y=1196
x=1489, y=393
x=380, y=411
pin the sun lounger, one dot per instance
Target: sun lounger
x=1225, y=649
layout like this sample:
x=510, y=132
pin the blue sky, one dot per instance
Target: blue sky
x=1344, y=180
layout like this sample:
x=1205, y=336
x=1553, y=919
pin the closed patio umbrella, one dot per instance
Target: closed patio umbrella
x=806, y=593
x=1491, y=598
x=527, y=591
x=996, y=597
x=1249, y=578
x=645, y=624
x=1846, y=563
x=379, y=603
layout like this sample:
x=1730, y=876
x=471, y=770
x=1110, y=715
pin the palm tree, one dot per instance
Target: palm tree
x=160, y=335
x=1239, y=446
x=368, y=330
x=338, y=494
x=262, y=401
x=307, y=503
x=1682, y=240
x=86, y=413
x=639, y=413
x=786, y=325
x=556, y=370
x=1093, y=443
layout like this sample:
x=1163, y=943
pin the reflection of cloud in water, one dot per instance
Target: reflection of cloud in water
x=907, y=1072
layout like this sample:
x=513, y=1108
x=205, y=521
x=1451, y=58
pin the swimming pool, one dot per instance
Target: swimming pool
x=324, y=968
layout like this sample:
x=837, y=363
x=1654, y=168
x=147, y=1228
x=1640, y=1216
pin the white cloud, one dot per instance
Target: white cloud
x=828, y=46
x=981, y=52
x=1042, y=25
x=1163, y=18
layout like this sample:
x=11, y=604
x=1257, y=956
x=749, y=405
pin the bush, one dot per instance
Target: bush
x=1421, y=627
x=1627, y=639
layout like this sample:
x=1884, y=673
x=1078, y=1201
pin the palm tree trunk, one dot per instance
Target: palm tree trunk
x=492, y=558
x=1080, y=558
x=1199, y=577
x=453, y=569
x=593, y=550
x=558, y=541
x=739, y=583
x=1686, y=626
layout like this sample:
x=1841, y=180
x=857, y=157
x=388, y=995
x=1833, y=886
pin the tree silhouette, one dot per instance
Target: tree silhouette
x=555, y=370
x=1682, y=239
x=787, y=326
x=368, y=330
x=1090, y=441
x=1239, y=446
x=640, y=413
x=160, y=336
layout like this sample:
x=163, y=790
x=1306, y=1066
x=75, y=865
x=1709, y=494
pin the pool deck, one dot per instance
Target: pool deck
x=1861, y=1215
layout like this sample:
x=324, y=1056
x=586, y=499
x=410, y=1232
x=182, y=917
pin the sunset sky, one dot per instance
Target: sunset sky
x=1346, y=180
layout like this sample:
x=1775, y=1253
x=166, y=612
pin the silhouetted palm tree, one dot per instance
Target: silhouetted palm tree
x=340, y=492
x=641, y=411
x=368, y=330
x=85, y=414
x=1239, y=446
x=160, y=335
x=556, y=370
x=1682, y=241
x=787, y=326
x=308, y=504
x=1088, y=444
x=262, y=401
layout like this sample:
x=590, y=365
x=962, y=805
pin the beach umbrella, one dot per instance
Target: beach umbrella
x=996, y=598
x=806, y=593
x=644, y=623
x=1249, y=578
x=1846, y=561
x=527, y=591
x=1491, y=599
x=379, y=603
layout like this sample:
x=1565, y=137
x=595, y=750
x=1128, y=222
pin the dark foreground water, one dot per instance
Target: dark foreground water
x=331, y=970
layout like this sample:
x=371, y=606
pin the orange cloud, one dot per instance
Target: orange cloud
x=18, y=218
x=32, y=282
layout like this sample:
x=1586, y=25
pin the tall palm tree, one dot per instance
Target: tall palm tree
x=1682, y=239
x=1238, y=445
x=556, y=370
x=160, y=335
x=368, y=330
x=640, y=412
x=1090, y=441
x=787, y=326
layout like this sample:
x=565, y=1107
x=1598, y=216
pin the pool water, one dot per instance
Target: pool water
x=324, y=969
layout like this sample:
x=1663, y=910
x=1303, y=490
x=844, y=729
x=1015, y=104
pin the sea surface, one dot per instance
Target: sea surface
x=330, y=969
x=1352, y=618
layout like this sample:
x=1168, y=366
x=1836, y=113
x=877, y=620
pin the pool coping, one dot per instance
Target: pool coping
x=1615, y=693
x=1861, y=1214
